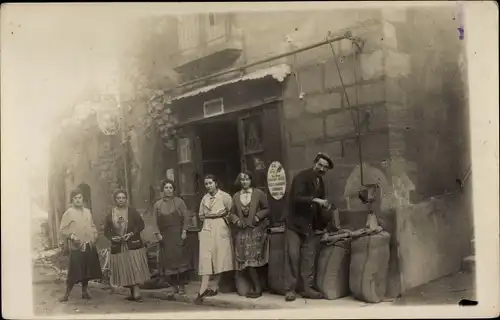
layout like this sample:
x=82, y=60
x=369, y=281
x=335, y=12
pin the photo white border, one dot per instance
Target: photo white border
x=481, y=36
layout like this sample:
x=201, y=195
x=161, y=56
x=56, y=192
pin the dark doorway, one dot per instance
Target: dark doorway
x=220, y=152
x=87, y=196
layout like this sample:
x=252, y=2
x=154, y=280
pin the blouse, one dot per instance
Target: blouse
x=80, y=223
x=215, y=205
x=167, y=206
x=246, y=196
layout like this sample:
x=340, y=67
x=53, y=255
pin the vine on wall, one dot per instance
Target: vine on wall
x=161, y=117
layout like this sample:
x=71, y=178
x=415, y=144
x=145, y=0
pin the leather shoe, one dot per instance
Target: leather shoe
x=290, y=296
x=310, y=293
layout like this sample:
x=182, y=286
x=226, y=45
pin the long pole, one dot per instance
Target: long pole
x=123, y=129
x=125, y=153
x=347, y=35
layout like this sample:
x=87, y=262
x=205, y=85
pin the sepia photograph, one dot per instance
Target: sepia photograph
x=185, y=160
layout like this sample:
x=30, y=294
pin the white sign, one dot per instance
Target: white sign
x=276, y=180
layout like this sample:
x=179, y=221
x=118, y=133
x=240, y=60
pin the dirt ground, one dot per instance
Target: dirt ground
x=48, y=290
x=447, y=290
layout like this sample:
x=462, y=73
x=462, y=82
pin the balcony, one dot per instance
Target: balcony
x=208, y=43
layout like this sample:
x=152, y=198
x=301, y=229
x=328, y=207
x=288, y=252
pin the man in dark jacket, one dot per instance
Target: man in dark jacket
x=304, y=222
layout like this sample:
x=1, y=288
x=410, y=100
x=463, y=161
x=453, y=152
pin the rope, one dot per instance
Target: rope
x=356, y=125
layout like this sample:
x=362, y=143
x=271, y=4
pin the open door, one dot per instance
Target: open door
x=190, y=173
x=259, y=151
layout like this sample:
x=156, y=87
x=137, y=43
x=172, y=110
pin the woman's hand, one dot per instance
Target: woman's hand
x=256, y=220
x=184, y=235
x=158, y=236
x=322, y=202
x=240, y=224
x=127, y=236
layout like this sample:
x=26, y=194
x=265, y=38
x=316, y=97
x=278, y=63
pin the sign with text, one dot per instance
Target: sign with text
x=276, y=180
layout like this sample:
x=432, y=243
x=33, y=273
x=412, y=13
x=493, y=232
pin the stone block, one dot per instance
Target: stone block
x=342, y=48
x=370, y=93
x=291, y=89
x=374, y=147
x=394, y=14
x=310, y=78
x=372, y=64
x=335, y=181
x=314, y=55
x=372, y=35
x=339, y=124
x=293, y=107
x=389, y=36
x=296, y=157
x=323, y=102
x=395, y=91
x=333, y=149
x=312, y=150
x=305, y=129
x=400, y=115
x=372, y=119
x=432, y=235
x=397, y=64
x=346, y=65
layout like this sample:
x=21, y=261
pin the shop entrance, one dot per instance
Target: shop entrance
x=220, y=151
x=225, y=145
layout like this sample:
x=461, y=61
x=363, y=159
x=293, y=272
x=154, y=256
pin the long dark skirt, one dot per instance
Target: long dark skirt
x=84, y=265
x=174, y=255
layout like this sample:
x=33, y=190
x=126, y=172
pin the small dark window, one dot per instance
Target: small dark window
x=211, y=19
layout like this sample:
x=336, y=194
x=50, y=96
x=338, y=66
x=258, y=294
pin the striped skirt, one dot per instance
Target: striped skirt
x=129, y=268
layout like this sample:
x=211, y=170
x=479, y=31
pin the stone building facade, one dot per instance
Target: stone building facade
x=404, y=84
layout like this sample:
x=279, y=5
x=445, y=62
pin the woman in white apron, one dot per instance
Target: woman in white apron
x=216, y=249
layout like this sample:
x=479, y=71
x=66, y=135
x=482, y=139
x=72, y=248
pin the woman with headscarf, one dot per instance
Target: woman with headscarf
x=172, y=220
x=249, y=214
x=78, y=230
x=216, y=249
x=128, y=260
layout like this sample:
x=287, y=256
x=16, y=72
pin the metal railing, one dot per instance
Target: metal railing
x=346, y=35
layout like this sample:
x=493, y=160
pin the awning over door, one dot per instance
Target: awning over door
x=278, y=72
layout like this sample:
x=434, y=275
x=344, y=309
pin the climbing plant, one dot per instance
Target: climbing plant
x=161, y=117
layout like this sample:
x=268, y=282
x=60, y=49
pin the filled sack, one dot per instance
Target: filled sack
x=369, y=262
x=332, y=277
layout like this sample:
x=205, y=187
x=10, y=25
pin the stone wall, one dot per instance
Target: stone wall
x=318, y=118
x=260, y=43
x=428, y=142
x=407, y=85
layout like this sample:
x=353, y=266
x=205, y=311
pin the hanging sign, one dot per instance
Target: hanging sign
x=276, y=180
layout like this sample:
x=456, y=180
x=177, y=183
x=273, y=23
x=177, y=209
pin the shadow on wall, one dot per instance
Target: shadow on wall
x=428, y=239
